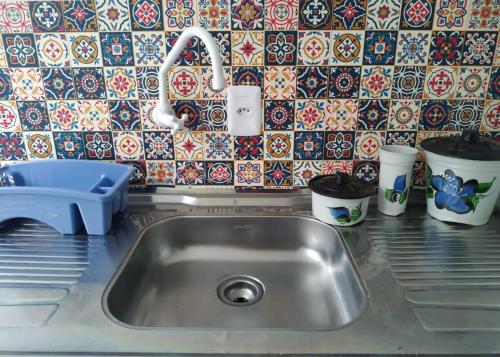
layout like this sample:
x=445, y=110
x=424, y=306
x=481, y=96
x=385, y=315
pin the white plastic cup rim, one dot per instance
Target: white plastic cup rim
x=398, y=154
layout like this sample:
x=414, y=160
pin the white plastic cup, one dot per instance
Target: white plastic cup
x=396, y=166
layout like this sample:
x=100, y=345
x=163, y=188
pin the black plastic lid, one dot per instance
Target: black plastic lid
x=340, y=185
x=470, y=146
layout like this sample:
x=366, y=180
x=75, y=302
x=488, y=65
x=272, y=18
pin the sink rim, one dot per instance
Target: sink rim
x=140, y=236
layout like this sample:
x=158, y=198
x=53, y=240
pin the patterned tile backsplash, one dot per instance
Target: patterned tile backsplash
x=78, y=80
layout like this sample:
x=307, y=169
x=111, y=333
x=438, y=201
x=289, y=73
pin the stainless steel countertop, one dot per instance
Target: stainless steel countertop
x=434, y=288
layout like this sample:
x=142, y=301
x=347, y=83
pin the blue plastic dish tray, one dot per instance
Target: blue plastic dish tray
x=66, y=193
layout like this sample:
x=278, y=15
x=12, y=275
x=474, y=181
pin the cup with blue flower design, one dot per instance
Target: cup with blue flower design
x=396, y=166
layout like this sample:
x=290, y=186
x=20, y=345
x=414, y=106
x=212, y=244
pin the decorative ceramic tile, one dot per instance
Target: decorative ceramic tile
x=69, y=145
x=479, y=48
x=473, y=82
x=33, y=115
x=494, y=87
x=194, y=112
x=404, y=114
x=249, y=147
x=124, y=115
x=279, y=114
x=441, y=82
x=312, y=82
x=278, y=145
x=146, y=108
x=313, y=48
x=27, y=84
x=85, y=50
x=408, y=82
x=20, y=50
x=189, y=146
x=6, y=92
x=401, y=138
x=117, y=48
x=184, y=83
x=120, y=83
x=368, y=144
x=247, y=14
x=46, y=16
x=98, y=146
x=278, y=173
x=315, y=15
x=308, y=145
x=208, y=91
x=491, y=116
x=334, y=166
x=248, y=173
x=349, y=14
x=15, y=17
x=417, y=15
x=113, y=15
x=280, y=82
x=219, y=172
x=310, y=114
x=223, y=39
x=248, y=76
x=376, y=82
x=148, y=82
x=58, y=83
x=214, y=115
x=190, y=173
x=128, y=145
x=366, y=171
x=305, y=170
x=146, y=15
x=484, y=15
x=347, y=47
x=12, y=146
x=383, y=14
x=53, y=50
x=80, y=15
x=466, y=114
x=435, y=115
x=339, y=145
x=247, y=48
x=281, y=14
x=63, y=115
x=451, y=14
x=413, y=48
x=89, y=83
x=9, y=117
x=214, y=14
x=179, y=14
x=140, y=172
x=446, y=48
x=218, y=146
x=280, y=48
x=380, y=47
x=341, y=114
x=160, y=173
x=190, y=55
x=39, y=145
x=158, y=145
x=344, y=82
x=93, y=115
x=373, y=114
x=3, y=57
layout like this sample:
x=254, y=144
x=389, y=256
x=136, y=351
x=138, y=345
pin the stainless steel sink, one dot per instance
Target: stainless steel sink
x=258, y=272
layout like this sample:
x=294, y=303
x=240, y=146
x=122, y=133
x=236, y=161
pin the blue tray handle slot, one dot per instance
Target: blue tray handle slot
x=103, y=185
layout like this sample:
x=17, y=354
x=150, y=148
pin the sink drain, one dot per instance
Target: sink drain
x=240, y=291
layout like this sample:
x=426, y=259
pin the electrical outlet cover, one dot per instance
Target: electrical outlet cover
x=244, y=110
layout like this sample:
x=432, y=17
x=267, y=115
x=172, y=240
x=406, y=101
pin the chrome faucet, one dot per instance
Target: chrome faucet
x=164, y=114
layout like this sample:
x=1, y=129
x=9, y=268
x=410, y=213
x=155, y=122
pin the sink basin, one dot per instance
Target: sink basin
x=252, y=272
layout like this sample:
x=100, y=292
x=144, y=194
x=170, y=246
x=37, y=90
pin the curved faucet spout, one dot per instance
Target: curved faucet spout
x=163, y=114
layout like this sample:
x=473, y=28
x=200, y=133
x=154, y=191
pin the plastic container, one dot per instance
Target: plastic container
x=66, y=194
x=396, y=165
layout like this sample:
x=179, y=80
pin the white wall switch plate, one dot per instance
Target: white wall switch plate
x=244, y=110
